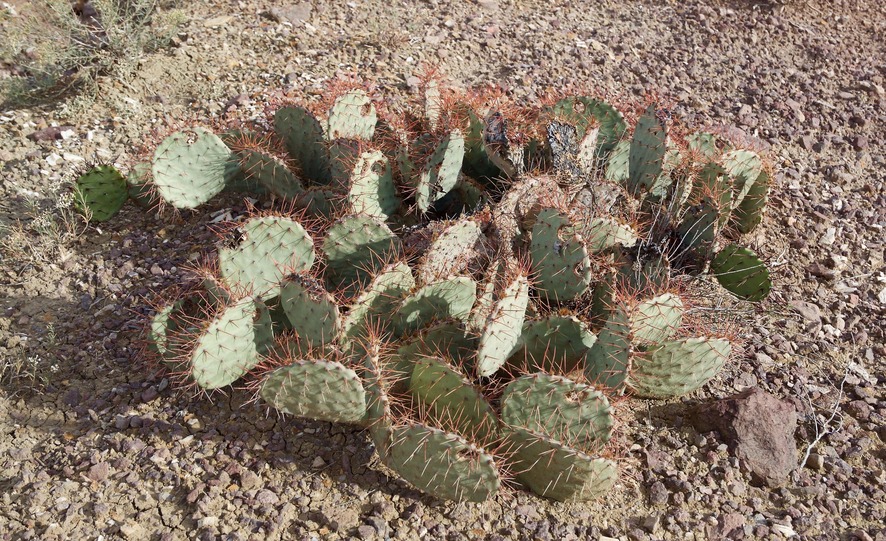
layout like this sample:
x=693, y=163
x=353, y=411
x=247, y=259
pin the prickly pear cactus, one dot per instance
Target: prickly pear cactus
x=472, y=317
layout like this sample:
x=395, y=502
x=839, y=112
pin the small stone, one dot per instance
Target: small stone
x=815, y=461
x=99, y=472
x=859, y=142
x=782, y=529
x=318, y=462
x=658, y=493
x=249, y=480
x=207, y=522
x=366, y=532
x=809, y=311
x=266, y=497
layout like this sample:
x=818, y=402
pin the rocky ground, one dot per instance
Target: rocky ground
x=96, y=445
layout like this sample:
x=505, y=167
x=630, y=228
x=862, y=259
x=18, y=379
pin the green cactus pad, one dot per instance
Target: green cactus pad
x=559, y=258
x=677, y=367
x=352, y=116
x=502, y=330
x=440, y=173
x=605, y=232
x=311, y=311
x=318, y=202
x=705, y=145
x=657, y=319
x=589, y=113
x=303, y=136
x=372, y=190
x=450, y=252
x=609, y=359
x=100, y=193
x=356, y=247
x=189, y=169
x=555, y=344
x=444, y=465
x=379, y=299
x=139, y=182
x=748, y=214
x=316, y=389
x=270, y=173
x=232, y=344
x=447, y=339
x=379, y=419
x=743, y=166
x=163, y=324
x=450, y=298
x=268, y=248
x=700, y=224
x=433, y=104
x=573, y=413
x=452, y=400
x=741, y=272
x=477, y=163
x=556, y=471
x=617, y=169
x=646, y=156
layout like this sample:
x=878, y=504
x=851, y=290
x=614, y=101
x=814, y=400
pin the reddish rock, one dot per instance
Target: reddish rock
x=759, y=429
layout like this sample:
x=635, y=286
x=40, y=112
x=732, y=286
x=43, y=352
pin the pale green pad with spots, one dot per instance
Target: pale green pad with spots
x=503, y=327
x=442, y=464
x=269, y=247
x=570, y=412
x=316, y=389
x=677, y=367
x=189, y=168
x=232, y=344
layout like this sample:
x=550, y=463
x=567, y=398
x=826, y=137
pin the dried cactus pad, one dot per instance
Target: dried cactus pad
x=443, y=464
x=316, y=389
x=269, y=247
x=100, y=193
x=189, y=169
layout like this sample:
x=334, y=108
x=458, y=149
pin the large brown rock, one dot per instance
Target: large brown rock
x=759, y=429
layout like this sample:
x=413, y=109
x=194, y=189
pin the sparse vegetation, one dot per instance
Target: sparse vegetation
x=53, y=47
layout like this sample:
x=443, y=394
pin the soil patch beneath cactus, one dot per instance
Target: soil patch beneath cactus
x=94, y=442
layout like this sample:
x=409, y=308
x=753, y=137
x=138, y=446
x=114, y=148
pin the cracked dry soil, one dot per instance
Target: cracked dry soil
x=94, y=445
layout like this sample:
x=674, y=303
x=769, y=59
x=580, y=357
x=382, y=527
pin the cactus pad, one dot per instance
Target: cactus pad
x=442, y=464
x=452, y=400
x=555, y=344
x=501, y=333
x=311, y=311
x=646, y=155
x=450, y=298
x=741, y=272
x=100, y=193
x=677, y=367
x=440, y=173
x=352, y=116
x=316, y=389
x=190, y=169
x=267, y=249
x=372, y=190
x=570, y=412
x=232, y=344
x=556, y=471
x=559, y=258
x=356, y=247
x=302, y=134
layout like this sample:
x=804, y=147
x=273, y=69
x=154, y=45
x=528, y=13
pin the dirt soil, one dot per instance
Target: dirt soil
x=94, y=444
